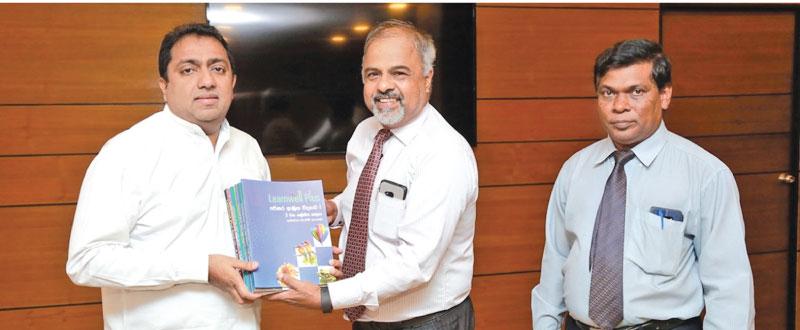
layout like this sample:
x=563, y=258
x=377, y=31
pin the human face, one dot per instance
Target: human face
x=395, y=87
x=630, y=104
x=200, y=86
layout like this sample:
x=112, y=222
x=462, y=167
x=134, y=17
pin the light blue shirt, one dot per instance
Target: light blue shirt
x=671, y=269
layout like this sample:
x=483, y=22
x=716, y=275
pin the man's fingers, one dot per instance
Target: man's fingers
x=246, y=265
x=337, y=250
x=290, y=281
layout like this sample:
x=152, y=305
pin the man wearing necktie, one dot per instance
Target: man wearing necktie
x=409, y=207
x=644, y=228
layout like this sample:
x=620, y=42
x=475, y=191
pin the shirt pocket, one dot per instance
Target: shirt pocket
x=388, y=214
x=655, y=249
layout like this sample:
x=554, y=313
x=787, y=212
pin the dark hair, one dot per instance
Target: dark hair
x=630, y=52
x=171, y=38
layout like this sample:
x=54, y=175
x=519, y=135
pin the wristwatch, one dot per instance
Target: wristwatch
x=325, y=300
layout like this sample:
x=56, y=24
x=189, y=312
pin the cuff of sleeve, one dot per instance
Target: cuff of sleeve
x=338, y=222
x=325, y=300
x=191, y=268
x=350, y=292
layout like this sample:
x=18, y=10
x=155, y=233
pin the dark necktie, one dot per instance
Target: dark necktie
x=357, y=230
x=608, y=239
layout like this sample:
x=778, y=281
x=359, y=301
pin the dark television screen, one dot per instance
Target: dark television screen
x=299, y=86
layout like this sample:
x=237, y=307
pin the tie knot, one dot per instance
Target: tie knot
x=622, y=157
x=382, y=136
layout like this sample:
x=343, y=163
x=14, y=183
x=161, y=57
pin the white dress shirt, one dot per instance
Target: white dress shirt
x=151, y=210
x=419, y=250
x=671, y=269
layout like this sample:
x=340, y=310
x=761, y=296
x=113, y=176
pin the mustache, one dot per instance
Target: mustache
x=388, y=95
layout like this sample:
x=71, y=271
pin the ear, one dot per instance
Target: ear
x=233, y=84
x=429, y=81
x=665, y=95
x=163, y=85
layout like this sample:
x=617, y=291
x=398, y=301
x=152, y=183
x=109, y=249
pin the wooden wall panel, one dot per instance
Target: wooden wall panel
x=503, y=301
x=538, y=120
x=750, y=153
x=568, y=119
x=523, y=163
x=66, y=129
x=523, y=53
x=85, y=53
x=725, y=53
x=41, y=179
x=771, y=289
x=77, y=317
x=332, y=170
x=34, y=252
x=574, y=5
x=729, y=115
x=539, y=162
x=766, y=213
x=509, y=232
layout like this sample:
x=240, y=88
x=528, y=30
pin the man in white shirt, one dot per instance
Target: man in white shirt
x=418, y=209
x=151, y=226
x=644, y=228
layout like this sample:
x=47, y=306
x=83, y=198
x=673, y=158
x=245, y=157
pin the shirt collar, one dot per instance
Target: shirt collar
x=407, y=132
x=646, y=151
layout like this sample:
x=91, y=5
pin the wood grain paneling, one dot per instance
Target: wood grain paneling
x=66, y=129
x=539, y=162
x=509, y=232
x=523, y=163
x=79, y=317
x=771, y=289
x=503, y=301
x=34, y=252
x=538, y=120
x=726, y=53
x=729, y=115
x=331, y=169
x=41, y=180
x=766, y=212
x=569, y=119
x=86, y=53
x=549, y=52
x=574, y=5
x=750, y=153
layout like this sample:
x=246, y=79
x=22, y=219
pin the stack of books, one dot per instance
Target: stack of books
x=283, y=226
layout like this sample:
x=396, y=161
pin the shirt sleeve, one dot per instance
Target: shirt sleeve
x=445, y=186
x=547, y=298
x=100, y=253
x=722, y=257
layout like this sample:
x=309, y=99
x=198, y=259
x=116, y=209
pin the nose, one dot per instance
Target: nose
x=621, y=103
x=385, y=84
x=206, y=80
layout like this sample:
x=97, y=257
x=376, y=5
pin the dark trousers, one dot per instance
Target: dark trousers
x=458, y=317
x=691, y=324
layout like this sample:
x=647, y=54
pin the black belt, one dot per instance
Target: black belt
x=649, y=325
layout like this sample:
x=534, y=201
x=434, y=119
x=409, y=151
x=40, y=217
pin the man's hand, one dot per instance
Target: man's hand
x=337, y=265
x=300, y=293
x=330, y=206
x=223, y=273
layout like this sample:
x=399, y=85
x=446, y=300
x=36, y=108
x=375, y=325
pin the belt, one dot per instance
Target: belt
x=649, y=325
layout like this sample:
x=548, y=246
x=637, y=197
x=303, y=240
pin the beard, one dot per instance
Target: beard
x=388, y=117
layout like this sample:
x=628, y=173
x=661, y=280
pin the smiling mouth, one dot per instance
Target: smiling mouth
x=210, y=99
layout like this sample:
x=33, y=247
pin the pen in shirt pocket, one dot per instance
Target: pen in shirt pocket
x=674, y=215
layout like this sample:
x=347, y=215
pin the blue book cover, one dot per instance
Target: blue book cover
x=283, y=226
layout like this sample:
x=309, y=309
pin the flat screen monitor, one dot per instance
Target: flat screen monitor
x=299, y=88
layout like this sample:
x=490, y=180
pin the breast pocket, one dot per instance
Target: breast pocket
x=389, y=213
x=655, y=249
